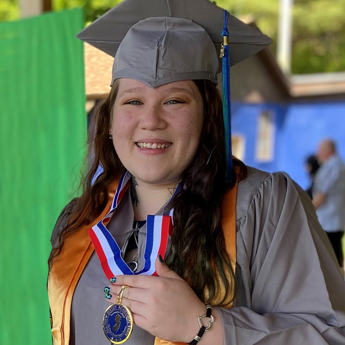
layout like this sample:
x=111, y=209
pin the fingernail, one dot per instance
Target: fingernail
x=108, y=296
x=113, y=280
x=160, y=258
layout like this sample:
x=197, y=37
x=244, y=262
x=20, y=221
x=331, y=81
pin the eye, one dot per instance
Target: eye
x=174, y=101
x=134, y=102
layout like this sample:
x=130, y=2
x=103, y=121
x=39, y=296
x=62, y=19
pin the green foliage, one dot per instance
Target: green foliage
x=9, y=10
x=318, y=36
x=264, y=12
x=92, y=8
x=318, y=30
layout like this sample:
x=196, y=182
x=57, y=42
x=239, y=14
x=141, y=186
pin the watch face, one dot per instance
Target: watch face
x=117, y=323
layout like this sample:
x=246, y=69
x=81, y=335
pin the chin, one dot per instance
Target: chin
x=154, y=178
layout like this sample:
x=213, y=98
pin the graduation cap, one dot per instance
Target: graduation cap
x=162, y=41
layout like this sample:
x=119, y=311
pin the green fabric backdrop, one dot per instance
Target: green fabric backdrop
x=42, y=136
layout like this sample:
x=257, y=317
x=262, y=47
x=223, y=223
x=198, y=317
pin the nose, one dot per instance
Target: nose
x=152, y=118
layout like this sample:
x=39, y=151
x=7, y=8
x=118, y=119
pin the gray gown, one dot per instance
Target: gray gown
x=289, y=288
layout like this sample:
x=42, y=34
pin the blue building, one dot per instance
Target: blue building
x=278, y=121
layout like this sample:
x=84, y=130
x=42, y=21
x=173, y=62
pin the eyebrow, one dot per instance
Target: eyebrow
x=132, y=90
x=179, y=89
x=171, y=89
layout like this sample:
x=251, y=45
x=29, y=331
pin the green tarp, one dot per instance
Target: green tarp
x=42, y=136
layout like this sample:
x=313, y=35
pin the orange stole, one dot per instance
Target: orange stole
x=66, y=271
x=76, y=252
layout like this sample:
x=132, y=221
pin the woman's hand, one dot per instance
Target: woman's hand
x=165, y=306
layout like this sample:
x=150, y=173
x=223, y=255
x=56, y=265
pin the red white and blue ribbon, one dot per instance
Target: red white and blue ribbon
x=158, y=228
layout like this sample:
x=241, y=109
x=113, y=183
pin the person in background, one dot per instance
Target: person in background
x=312, y=165
x=329, y=195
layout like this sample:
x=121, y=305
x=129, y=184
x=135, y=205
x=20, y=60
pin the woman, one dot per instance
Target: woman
x=249, y=247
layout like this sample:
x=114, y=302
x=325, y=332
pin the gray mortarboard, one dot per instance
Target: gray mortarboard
x=162, y=41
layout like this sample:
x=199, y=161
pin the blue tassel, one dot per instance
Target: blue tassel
x=226, y=97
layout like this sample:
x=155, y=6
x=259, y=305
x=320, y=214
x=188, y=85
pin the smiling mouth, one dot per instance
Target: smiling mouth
x=153, y=146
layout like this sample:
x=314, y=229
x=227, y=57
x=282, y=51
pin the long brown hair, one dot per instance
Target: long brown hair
x=198, y=252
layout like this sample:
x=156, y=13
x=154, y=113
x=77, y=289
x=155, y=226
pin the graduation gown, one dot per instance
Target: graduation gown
x=289, y=288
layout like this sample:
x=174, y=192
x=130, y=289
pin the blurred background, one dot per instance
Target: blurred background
x=285, y=100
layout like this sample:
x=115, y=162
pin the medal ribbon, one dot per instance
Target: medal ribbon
x=108, y=251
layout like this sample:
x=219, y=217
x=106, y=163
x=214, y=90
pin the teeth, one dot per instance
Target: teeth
x=153, y=145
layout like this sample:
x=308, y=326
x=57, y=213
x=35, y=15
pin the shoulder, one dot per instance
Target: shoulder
x=248, y=187
x=332, y=163
x=260, y=188
x=63, y=219
x=329, y=175
x=272, y=205
x=337, y=163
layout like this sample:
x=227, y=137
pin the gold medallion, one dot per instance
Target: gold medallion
x=118, y=321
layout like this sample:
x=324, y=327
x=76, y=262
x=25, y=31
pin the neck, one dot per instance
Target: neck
x=150, y=198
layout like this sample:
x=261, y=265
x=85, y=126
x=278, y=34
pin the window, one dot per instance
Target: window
x=265, y=137
x=238, y=146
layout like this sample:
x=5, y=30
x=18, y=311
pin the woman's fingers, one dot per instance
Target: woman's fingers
x=133, y=298
x=135, y=281
x=137, y=308
x=131, y=293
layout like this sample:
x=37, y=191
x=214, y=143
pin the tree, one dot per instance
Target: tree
x=318, y=30
x=319, y=36
x=92, y=8
x=9, y=10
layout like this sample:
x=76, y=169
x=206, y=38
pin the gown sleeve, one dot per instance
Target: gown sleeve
x=290, y=289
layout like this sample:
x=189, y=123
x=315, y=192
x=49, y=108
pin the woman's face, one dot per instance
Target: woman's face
x=156, y=132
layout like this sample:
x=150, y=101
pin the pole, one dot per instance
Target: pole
x=285, y=35
x=29, y=8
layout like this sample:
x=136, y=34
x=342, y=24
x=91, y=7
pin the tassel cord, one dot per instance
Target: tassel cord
x=226, y=97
